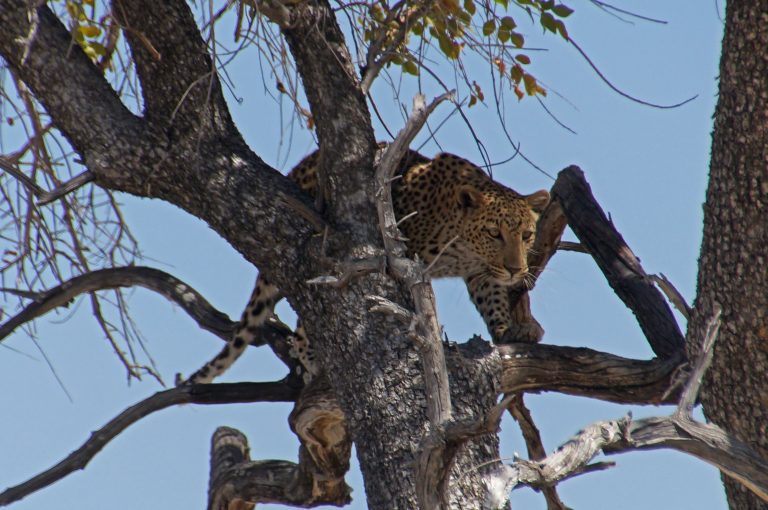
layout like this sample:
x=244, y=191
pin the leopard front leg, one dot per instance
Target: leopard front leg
x=505, y=324
x=260, y=307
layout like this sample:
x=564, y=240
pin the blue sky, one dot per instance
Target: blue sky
x=646, y=166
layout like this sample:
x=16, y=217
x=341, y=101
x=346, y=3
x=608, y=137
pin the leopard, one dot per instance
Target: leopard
x=454, y=217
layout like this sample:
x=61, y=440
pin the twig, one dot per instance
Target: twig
x=571, y=246
x=205, y=394
x=536, y=451
x=618, y=90
x=674, y=296
x=71, y=185
x=46, y=197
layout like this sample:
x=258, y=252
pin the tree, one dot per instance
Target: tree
x=731, y=267
x=189, y=153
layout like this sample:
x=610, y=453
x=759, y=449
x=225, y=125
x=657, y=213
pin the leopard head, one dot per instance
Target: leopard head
x=498, y=228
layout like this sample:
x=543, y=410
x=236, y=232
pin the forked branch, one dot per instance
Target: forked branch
x=679, y=432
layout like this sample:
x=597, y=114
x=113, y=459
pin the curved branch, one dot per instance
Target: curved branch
x=205, y=394
x=170, y=287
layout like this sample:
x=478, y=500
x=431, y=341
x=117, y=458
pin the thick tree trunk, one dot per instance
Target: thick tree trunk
x=734, y=253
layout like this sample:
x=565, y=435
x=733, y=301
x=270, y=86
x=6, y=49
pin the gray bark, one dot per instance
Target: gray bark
x=732, y=266
x=185, y=150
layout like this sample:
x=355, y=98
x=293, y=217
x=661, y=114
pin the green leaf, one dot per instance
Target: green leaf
x=517, y=39
x=516, y=73
x=548, y=22
x=89, y=30
x=530, y=84
x=562, y=10
x=503, y=35
x=469, y=6
x=561, y=28
x=489, y=27
x=523, y=59
x=505, y=3
x=410, y=67
x=99, y=49
x=507, y=23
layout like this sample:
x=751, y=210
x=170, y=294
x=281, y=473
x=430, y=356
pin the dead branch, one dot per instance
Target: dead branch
x=317, y=479
x=534, y=444
x=431, y=475
x=205, y=394
x=678, y=432
x=621, y=268
x=190, y=300
x=585, y=372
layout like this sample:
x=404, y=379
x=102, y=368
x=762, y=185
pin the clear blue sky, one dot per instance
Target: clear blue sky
x=647, y=167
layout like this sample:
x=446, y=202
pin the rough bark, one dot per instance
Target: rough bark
x=732, y=265
x=184, y=149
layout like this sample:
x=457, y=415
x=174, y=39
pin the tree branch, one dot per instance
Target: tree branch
x=318, y=478
x=179, y=82
x=239, y=483
x=205, y=394
x=534, y=444
x=587, y=373
x=434, y=464
x=42, y=53
x=621, y=268
x=217, y=179
x=170, y=287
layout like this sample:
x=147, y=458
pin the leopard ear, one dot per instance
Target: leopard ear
x=538, y=200
x=468, y=197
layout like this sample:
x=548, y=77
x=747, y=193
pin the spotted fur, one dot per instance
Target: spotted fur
x=465, y=224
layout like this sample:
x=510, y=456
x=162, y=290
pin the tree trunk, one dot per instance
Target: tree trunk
x=734, y=253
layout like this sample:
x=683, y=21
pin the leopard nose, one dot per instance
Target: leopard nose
x=513, y=268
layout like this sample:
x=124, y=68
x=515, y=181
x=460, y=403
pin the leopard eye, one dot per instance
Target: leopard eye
x=527, y=235
x=493, y=231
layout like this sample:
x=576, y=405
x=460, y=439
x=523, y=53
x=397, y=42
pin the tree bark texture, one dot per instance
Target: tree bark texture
x=186, y=150
x=734, y=252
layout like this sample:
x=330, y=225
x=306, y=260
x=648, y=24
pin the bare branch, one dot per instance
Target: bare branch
x=549, y=229
x=536, y=451
x=205, y=394
x=190, y=300
x=706, y=442
x=574, y=371
x=424, y=329
x=621, y=268
x=571, y=246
